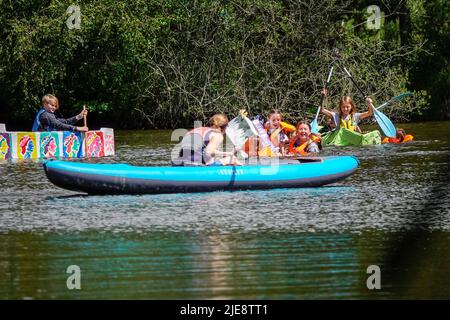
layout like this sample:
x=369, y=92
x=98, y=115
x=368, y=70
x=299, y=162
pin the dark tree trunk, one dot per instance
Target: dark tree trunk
x=404, y=24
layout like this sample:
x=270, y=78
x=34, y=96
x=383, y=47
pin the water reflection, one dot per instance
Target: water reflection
x=214, y=266
x=282, y=243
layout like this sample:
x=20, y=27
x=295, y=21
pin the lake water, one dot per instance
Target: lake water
x=394, y=212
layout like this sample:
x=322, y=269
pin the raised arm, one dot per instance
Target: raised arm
x=323, y=110
x=370, y=107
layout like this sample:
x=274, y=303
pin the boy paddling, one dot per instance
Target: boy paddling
x=47, y=121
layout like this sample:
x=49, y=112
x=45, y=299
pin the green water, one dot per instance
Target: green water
x=275, y=244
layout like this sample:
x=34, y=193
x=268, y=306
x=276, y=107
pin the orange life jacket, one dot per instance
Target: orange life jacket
x=301, y=149
x=287, y=127
x=274, y=136
x=407, y=138
x=284, y=126
x=252, y=145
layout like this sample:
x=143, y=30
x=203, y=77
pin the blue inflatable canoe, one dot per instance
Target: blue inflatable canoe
x=128, y=179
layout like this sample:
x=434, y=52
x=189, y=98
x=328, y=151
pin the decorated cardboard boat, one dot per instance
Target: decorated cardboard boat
x=56, y=144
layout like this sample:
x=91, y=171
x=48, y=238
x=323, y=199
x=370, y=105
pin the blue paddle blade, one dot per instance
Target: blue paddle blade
x=385, y=124
x=401, y=96
x=314, y=126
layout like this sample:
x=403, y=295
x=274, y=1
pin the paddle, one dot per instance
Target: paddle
x=383, y=121
x=396, y=98
x=84, y=116
x=314, y=123
x=84, y=133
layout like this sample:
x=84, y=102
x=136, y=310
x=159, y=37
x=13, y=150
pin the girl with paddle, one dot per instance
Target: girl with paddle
x=347, y=117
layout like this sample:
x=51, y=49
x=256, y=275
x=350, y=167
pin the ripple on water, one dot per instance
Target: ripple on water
x=280, y=244
x=389, y=192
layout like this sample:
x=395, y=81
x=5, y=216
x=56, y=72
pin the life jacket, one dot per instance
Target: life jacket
x=251, y=146
x=193, y=145
x=301, y=149
x=267, y=148
x=349, y=124
x=266, y=144
x=274, y=136
x=285, y=127
x=289, y=128
x=267, y=152
x=407, y=138
x=37, y=122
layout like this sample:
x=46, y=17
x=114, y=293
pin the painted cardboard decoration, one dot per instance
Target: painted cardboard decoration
x=5, y=149
x=26, y=145
x=108, y=138
x=94, y=144
x=72, y=144
x=30, y=145
x=49, y=145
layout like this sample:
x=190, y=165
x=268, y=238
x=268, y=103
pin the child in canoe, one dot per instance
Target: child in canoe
x=47, y=121
x=347, y=117
x=400, y=137
x=278, y=132
x=201, y=146
x=304, y=143
x=273, y=136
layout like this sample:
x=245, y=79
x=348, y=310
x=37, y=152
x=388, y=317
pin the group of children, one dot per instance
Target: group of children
x=277, y=139
x=287, y=140
x=283, y=139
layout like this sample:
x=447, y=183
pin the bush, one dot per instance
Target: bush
x=159, y=64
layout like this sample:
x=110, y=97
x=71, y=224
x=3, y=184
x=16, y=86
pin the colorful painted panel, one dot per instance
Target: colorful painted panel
x=72, y=144
x=50, y=146
x=108, y=138
x=26, y=145
x=5, y=149
x=94, y=144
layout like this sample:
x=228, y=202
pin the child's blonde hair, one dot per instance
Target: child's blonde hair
x=347, y=99
x=218, y=121
x=49, y=97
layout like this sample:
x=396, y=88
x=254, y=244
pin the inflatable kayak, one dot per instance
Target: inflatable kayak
x=344, y=137
x=128, y=179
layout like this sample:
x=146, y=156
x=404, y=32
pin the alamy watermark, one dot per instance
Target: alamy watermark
x=74, y=280
x=267, y=165
x=74, y=20
x=374, y=280
x=374, y=20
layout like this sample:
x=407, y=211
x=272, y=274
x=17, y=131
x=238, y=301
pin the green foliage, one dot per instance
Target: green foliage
x=156, y=63
x=430, y=70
